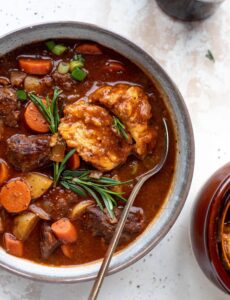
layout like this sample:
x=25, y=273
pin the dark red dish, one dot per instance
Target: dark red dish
x=209, y=228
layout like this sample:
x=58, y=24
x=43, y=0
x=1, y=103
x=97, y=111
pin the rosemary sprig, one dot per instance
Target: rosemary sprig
x=49, y=109
x=120, y=128
x=82, y=184
x=60, y=167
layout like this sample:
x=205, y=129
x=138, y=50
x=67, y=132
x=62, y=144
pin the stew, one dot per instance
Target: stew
x=78, y=124
x=224, y=232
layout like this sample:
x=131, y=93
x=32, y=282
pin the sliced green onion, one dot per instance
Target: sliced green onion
x=75, y=64
x=21, y=95
x=59, y=49
x=63, y=67
x=79, y=57
x=56, y=49
x=50, y=45
x=78, y=74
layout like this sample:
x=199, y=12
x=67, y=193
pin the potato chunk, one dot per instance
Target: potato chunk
x=24, y=224
x=38, y=183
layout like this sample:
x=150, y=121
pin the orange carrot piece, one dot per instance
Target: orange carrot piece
x=114, y=66
x=34, y=119
x=12, y=245
x=67, y=250
x=15, y=196
x=4, y=171
x=88, y=49
x=64, y=230
x=35, y=66
x=74, y=162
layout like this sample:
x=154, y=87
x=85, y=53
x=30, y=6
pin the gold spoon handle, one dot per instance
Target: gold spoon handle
x=119, y=228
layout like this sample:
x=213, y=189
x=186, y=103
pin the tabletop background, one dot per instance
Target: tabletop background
x=169, y=271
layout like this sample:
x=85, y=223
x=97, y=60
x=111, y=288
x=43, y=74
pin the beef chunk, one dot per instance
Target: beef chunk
x=27, y=153
x=4, y=80
x=101, y=225
x=64, y=81
x=49, y=242
x=57, y=202
x=9, y=107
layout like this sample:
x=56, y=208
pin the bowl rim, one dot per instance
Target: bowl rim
x=185, y=158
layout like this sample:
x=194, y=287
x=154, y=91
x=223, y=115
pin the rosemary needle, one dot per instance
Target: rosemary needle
x=49, y=109
x=120, y=128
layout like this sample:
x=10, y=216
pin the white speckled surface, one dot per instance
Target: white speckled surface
x=169, y=271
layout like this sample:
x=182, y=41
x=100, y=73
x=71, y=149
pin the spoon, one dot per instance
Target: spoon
x=119, y=228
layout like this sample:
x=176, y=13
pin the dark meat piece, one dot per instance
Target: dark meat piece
x=58, y=202
x=27, y=153
x=64, y=81
x=49, y=243
x=101, y=225
x=47, y=81
x=4, y=80
x=9, y=107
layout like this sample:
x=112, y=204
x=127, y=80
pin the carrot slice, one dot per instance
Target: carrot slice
x=12, y=245
x=15, y=196
x=114, y=66
x=64, y=230
x=4, y=171
x=35, y=66
x=88, y=49
x=74, y=162
x=67, y=250
x=34, y=119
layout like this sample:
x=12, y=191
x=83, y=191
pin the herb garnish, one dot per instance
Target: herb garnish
x=82, y=184
x=57, y=49
x=79, y=57
x=210, y=56
x=49, y=109
x=78, y=74
x=60, y=167
x=120, y=128
x=21, y=95
x=76, y=65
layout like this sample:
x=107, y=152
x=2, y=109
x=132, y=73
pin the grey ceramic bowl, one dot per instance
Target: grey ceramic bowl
x=184, y=160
